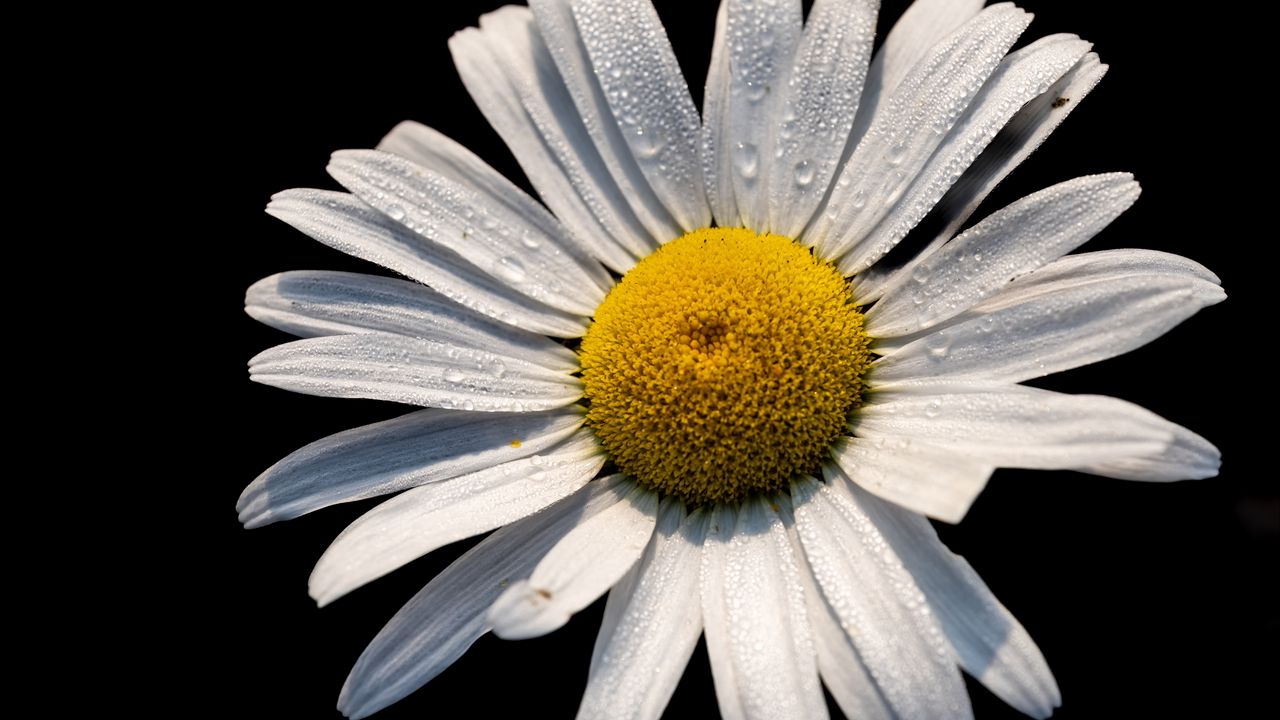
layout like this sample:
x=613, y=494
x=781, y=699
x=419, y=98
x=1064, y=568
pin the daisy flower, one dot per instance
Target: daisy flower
x=704, y=375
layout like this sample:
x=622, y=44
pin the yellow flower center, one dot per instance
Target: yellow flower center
x=724, y=364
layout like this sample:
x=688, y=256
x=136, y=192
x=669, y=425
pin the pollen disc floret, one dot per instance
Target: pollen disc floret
x=723, y=364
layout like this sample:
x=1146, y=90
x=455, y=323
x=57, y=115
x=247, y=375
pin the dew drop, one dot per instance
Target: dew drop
x=938, y=344
x=896, y=153
x=747, y=160
x=787, y=129
x=509, y=269
x=395, y=212
x=804, y=173
x=497, y=368
x=453, y=375
x=859, y=200
x=647, y=144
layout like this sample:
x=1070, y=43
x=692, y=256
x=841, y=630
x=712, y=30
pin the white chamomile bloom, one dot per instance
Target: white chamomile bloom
x=690, y=380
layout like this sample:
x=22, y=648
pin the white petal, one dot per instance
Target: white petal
x=500, y=240
x=1190, y=457
x=929, y=480
x=1016, y=426
x=344, y=223
x=842, y=670
x=509, y=72
x=1019, y=138
x=315, y=303
x=437, y=626
x=1021, y=77
x=436, y=152
x=878, y=605
x=818, y=105
x=717, y=151
x=580, y=568
x=408, y=370
x=761, y=43
x=644, y=88
x=718, y=528
x=651, y=625
x=912, y=123
x=924, y=24
x=615, y=603
x=560, y=30
x=1010, y=242
x=989, y=642
x=1098, y=269
x=1057, y=330
x=761, y=652
x=420, y=520
x=415, y=449
x=1090, y=267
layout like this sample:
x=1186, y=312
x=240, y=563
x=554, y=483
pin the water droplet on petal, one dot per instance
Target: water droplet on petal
x=804, y=173
x=938, y=344
x=896, y=153
x=747, y=160
x=509, y=269
x=647, y=144
x=859, y=199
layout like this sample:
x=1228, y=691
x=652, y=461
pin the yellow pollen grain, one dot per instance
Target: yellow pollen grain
x=724, y=364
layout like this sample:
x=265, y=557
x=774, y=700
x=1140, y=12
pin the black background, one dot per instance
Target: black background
x=1146, y=599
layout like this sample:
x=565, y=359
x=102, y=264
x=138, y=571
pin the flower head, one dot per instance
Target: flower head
x=701, y=379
